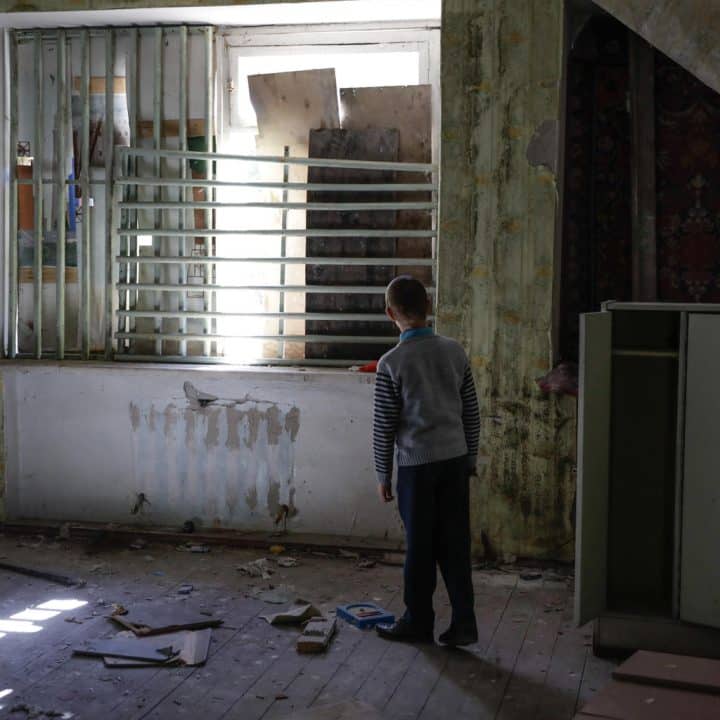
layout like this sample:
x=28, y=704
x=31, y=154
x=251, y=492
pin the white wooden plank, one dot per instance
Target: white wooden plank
x=593, y=465
x=700, y=577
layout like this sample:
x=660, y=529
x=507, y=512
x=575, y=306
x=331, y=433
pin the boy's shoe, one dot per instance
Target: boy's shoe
x=457, y=637
x=403, y=631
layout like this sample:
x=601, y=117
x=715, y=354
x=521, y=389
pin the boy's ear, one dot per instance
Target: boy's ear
x=390, y=313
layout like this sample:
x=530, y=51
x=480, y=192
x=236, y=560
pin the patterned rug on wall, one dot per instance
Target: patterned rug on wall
x=597, y=250
x=688, y=185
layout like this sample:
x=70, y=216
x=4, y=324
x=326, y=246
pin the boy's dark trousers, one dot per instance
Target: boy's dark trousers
x=434, y=505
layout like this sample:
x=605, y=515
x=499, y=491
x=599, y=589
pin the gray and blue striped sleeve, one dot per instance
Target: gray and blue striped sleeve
x=470, y=416
x=386, y=414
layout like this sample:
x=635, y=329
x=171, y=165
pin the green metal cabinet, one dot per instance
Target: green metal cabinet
x=648, y=519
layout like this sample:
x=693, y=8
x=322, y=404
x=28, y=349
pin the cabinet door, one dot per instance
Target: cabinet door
x=593, y=466
x=700, y=567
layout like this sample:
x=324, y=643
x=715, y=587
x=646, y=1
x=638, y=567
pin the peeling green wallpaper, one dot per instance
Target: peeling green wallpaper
x=499, y=208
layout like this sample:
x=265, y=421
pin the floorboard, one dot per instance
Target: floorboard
x=529, y=661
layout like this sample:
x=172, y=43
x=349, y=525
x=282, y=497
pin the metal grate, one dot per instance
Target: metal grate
x=159, y=313
x=62, y=94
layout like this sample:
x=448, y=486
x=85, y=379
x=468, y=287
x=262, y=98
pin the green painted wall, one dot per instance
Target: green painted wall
x=501, y=70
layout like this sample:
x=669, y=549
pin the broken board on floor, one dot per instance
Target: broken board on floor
x=194, y=651
x=316, y=636
x=160, y=650
x=160, y=619
x=186, y=648
x=621, y=700
x=673, y=671
x=349, y=710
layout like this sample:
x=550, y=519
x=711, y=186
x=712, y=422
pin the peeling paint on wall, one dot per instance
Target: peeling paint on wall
x=218, y=456
x=543, y=147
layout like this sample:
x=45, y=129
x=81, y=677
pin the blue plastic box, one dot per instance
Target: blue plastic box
x=365, y=615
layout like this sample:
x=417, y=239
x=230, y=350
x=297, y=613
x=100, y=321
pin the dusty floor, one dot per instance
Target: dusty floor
x=529, y=662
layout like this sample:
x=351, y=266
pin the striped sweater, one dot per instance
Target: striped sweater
x=425, y=404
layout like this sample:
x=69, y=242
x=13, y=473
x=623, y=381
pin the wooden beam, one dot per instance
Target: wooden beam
x=642, y=168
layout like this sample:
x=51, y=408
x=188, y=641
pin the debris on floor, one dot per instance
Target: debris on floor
x=185, y=589
x=138, y=544
x=259, y=568
x=274, y=595
x=32, y=712
x=296, y=614
x=159, y=650
x=287, y=562
x=364, y=615
x=392, y=558
x=181, y=648
x=658, y=686
x=193, y=548
x=277, y=549
x=156, y=620
x=316, y=635
x=530, y=575
x=366, y=564
x=348, y=554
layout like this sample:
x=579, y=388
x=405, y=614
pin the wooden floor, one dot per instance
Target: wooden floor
x=529, y=662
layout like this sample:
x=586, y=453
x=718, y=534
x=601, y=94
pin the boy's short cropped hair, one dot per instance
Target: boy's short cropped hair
x=407, y=295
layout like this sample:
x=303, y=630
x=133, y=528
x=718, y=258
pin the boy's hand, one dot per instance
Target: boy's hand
x=385, y=492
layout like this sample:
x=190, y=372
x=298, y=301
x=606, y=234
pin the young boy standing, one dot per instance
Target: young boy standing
x=426, y=407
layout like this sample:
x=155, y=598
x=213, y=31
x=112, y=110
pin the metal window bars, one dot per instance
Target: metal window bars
x=149, y=193
x=65, y=88
x=137, y=296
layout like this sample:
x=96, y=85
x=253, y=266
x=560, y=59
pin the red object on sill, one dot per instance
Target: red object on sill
x=371, y=367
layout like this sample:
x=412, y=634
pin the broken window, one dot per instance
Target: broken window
x=256, y=193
